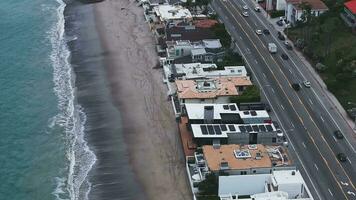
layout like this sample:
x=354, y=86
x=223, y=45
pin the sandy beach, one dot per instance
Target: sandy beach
x=150, y=129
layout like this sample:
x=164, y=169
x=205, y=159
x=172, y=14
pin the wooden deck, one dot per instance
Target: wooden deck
x=189, y=146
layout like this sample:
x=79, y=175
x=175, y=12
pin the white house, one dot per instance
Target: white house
x=294, y=12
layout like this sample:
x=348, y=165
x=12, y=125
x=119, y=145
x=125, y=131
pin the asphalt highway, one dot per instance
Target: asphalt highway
x=306, y=116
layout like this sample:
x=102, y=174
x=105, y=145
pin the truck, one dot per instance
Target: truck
x=272, y=47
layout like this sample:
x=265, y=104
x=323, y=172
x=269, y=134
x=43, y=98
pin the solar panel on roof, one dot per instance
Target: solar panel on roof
x=204, y=130
x=255, y=128
x=217, y=130
x=226, y=107
x=262, y=128
x=248, y=128
x=232, y=128
x=232, y=107
x=223, y=127
x=242, y=129
x=211, y=130
x=269, y=128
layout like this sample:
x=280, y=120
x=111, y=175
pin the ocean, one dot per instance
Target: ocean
x=60, y=133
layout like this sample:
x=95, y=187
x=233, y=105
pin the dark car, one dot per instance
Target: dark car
x=266, y=32
x=296, y=86
x=338, y=134
x=280, y=36
x=341, y=157
x=284, y=56
x=280, y=22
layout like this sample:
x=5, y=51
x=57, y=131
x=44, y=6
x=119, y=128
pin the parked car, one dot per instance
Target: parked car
x=296, y=86
x=307, y=84
x=341, y=157
x=257, y=9
x=280, y=36
x=284, y=56
x=338, y=134
x=266, y=32
x=288, y=45
x=245, y=7
x=245, y=14
x=280, y=23
x=258, y=31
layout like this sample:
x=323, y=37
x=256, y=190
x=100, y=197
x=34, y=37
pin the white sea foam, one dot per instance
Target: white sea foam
x=71, y=117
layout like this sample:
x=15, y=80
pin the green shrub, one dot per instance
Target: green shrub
x=277, y=13
x=251, y=94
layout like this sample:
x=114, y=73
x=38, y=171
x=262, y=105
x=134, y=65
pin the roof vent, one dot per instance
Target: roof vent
x=293, y=173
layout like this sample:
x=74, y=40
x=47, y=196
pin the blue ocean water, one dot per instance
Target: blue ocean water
x=42, y=151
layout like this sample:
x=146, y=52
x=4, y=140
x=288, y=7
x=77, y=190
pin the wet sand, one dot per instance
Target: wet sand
x=149, y=127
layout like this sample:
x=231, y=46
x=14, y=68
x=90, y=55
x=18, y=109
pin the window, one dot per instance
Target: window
x=274, y=140
x=243, y=172
x=254, y=171
x=202, y=100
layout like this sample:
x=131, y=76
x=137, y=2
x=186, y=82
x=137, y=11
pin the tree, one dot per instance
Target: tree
x=208, y=189
x=251, y=94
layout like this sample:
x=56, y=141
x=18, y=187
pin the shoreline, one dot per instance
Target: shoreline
x=149, y=127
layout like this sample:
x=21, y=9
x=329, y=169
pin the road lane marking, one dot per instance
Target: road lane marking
x=319, y=131
x=344, y=183
x=327, y=164
x=282, y=107
x=290, y=71
x=256, y=61
x=349, y=160
x=304, y=145
x=292, y=124
x=316, y=167
x=351, y=193
x=335, y=138
x=311, y=102
x=240, y=37
x=301, y=162
x=272, y=90
x=264, y=74
x=322, y=119
x=330, y=192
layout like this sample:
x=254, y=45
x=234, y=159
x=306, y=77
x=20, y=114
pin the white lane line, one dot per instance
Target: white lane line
x=316, y=167
x=256, y=61
x=322, y=119
x=344, y=183
x=304, y=145
x=272, y=90
x=282, y=107
x=349, y=160
x=290, y=71
x=255, y=23
x=332, y=118
x=278, y=119
x=240, y=37
x=292, y=124
x=335, y=138
x=264, y=74
x=330, y=192
x=247, y=50
x=311, y=102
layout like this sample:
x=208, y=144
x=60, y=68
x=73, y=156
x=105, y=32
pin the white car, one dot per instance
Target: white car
x=245, y=14
x=259, y=32
x=307, y=84
x=257, y=9
x=245, y=7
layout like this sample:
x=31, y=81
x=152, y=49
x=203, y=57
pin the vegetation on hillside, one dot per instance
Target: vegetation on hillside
x=331, y=48
x=221, y=33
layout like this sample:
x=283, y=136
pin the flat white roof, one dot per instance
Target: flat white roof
x=286, y=177
x=198, y=51
x=243, y=185
x=196, y=111
x=221, y=130
x=212, y=43
x=170, y=12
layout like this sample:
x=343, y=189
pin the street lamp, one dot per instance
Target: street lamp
x=352, y=113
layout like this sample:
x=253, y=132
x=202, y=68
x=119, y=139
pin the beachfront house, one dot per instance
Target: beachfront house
x=349, y=14
x=285, y=184
x=294, y=9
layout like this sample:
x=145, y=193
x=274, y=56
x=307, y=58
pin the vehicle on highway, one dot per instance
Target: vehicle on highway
x=288, y=45
x=257, y=9
x=307, y=84
x=258, y=31
x=245, y=14
x=284, y=56
x=341, y=157
x=245, y=7
x=296, y=86
x=338, y=134
x=280, y=23
x=280, y=36
x=272, y=47
x=266, y=32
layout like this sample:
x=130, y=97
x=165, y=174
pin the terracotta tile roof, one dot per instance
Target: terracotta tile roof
x=351, y=5
x=315, y=4
x=224, y=86
x=205, y=23
x=215, y=156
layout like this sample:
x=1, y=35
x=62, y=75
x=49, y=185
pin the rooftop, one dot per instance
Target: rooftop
x=170, y=12
x=197, y=111
x=210, y=88
x=315, y=4
x=189, y=32
x=205, y=23
x=243, y=157
x=351, y=5
x=221, y=130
